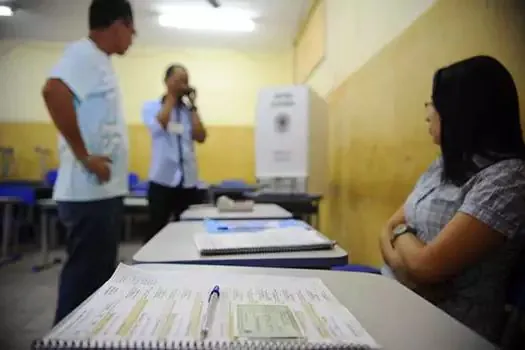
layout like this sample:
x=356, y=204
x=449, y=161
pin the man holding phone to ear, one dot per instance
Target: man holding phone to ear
x=175, y=125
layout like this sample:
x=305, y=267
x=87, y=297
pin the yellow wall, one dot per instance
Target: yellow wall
x=379, y=141
x=227, y=82
x=310, y=45
x=355, y=31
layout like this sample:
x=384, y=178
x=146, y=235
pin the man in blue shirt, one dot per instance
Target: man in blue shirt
x=174, y=124
x=83, y=99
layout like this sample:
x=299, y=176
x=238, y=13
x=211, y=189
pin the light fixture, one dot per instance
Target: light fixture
x=208, y=19
x=5, y=11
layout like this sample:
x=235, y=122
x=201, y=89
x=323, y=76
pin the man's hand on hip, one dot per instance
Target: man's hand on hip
x=98, y=165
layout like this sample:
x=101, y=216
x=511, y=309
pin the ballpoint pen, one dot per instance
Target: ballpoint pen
x=213, y=300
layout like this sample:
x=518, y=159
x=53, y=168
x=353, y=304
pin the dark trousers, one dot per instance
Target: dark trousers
x=93, y=230
x=164, y=202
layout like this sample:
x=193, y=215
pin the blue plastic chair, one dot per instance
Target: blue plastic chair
x=25, y=193
x=51, y=177
x=133, y=180
x=233, y=183
x=357, y=268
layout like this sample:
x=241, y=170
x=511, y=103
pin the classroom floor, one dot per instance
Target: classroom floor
x=27, y=299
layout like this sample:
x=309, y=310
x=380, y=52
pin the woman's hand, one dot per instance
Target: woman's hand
x=386, y=235
x=394, y=260
x=390, y=256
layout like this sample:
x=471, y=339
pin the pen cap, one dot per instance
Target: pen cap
x=215, y=290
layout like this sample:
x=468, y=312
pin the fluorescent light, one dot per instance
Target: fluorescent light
x=5, y=11
x=197, y=18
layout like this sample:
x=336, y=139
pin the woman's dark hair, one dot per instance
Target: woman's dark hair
x=103, y=13
x=171, y=69
x=478, y=105
x=169, y=72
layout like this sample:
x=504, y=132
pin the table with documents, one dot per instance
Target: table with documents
x=166, y=309
x=396, y=317
x=175, y=244
x=133, y=308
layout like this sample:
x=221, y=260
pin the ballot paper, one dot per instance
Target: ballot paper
x=139, y=306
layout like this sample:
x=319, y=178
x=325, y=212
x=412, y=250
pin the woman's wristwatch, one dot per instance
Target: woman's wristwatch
x=400, y=230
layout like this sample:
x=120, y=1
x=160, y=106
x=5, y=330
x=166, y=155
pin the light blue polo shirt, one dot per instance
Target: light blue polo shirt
x=165, y=168
x=89, y=74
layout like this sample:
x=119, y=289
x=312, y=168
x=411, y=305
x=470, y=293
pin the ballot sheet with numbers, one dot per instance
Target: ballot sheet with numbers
x=166, y=309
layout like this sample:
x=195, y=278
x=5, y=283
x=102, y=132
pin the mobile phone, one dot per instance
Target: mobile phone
x=190, y=90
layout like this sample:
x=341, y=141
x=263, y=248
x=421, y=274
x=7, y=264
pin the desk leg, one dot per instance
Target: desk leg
x=43, y=238
x=6, y=231
x=128, y=224
x=53, y=233
x=7, y=227
x=317, y=220
x=44, y=225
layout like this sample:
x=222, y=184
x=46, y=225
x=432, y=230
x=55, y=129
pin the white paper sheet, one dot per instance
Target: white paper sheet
x=137, y=305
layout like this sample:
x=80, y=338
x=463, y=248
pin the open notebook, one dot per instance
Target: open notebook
x=288, y=239
x=140, y=309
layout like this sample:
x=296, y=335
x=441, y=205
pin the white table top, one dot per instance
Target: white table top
x=135, y=202
x=397, y=318
x=9, y=200
x=174, y=244
x=128, y=202
x=260, y=211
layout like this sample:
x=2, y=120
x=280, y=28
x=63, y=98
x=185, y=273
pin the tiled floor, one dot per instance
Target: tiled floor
x=27, y=299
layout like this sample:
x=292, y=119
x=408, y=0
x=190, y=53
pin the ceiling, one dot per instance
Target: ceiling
x=66, y=20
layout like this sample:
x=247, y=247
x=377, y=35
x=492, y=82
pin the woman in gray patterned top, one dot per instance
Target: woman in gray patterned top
x=457, y=237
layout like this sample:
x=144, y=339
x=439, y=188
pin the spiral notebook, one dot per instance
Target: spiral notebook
x=153, y=310
x=286, y=239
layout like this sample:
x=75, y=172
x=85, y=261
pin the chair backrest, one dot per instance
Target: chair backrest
x=233, y=183
x=133, y=180
x=7, y=160
x=51, y=177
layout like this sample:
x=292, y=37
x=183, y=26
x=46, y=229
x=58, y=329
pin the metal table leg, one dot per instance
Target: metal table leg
x=43, y=238
x=6, y=230
x=128, y=224
x=53, y=233
x=44, y=245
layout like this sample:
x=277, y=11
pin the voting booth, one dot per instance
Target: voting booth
x=291, y=139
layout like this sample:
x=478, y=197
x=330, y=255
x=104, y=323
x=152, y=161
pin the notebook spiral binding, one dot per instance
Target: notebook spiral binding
x=188, y=345
x=261, y=250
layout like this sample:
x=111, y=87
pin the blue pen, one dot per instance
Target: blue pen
x=213, y=300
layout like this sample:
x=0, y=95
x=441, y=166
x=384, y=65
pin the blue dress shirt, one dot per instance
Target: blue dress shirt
x=173, y=155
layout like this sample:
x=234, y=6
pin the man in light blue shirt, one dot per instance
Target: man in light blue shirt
x=174, y=124
x=83, y=99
